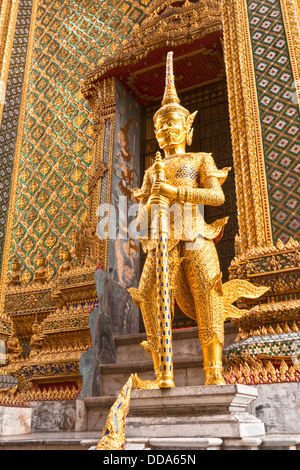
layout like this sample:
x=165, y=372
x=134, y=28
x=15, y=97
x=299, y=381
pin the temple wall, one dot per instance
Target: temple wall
x=46, y=129
x=47, y=140
x=278, y=112
x=262, y=57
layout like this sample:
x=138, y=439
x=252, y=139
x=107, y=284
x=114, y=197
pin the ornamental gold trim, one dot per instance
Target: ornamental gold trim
x=291, y=19
x=258, y=135
x=103, y=104
x=14, y=179
x=251, y=184
x=164, y=25
x=8, y=19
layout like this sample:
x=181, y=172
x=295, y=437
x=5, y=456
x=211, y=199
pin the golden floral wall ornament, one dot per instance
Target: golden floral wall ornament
x=278, y=267
x=50, y=331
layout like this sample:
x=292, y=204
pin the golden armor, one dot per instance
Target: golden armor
x=190, y=181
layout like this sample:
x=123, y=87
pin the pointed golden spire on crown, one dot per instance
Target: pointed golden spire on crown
x=170, y=94
x=170, y=101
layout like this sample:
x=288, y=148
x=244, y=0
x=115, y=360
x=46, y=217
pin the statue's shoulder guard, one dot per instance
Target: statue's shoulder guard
x=209, y=168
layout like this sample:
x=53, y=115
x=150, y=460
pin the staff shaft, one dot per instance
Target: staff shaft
x=164, y=314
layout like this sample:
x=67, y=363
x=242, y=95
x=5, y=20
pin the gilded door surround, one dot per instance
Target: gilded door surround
x=251, y=184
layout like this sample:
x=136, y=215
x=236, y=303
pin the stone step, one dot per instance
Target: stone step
x=187, y=371
x=50, y=441
x=131, y=358
x=185, y=344
x=95, y=413
x=276, y=442
x=88, y=441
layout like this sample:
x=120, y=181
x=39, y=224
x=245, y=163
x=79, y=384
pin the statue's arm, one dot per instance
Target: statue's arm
x=210, y=193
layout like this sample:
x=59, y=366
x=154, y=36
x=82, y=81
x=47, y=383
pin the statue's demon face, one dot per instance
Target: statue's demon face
x=170, y=130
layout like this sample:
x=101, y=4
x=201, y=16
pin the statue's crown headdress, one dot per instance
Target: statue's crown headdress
x=170, y=101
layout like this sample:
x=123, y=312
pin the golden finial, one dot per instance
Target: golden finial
x=170, y=94
x=159, y=168
x=170, y=101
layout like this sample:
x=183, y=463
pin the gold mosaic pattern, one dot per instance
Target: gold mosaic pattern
x=69, y=38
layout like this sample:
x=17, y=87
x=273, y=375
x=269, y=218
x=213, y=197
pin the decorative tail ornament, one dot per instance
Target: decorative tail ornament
x=233, y=290
x=113, y=435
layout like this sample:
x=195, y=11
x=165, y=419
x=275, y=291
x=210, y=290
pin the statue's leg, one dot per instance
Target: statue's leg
x=147, y=290
x=145, y=298
x=202, y=271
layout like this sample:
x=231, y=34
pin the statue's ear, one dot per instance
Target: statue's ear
x=189, y=130
x=190, y=119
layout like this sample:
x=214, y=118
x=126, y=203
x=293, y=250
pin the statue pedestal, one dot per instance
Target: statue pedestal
x=190, y=415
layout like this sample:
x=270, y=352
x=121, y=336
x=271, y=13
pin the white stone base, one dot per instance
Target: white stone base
x=219, y=411
x=14, y=420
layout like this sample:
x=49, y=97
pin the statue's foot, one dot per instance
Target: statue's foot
x=214, y=376
x=144, y=384
x=150, y=345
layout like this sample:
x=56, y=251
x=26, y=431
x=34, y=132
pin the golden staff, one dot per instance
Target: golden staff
x=161, y=233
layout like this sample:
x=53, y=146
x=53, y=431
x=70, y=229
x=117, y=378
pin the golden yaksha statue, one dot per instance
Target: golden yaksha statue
x=191, y=180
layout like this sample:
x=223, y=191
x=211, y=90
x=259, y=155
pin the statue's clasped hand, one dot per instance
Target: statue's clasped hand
x=161, y=193
x=164, y=189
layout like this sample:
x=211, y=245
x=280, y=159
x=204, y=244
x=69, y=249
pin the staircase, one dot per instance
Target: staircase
x=131, y=358
x=90, y=414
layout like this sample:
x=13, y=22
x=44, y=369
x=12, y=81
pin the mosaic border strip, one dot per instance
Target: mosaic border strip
x=252, y=198
x=8, y=19
x=18, y=138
